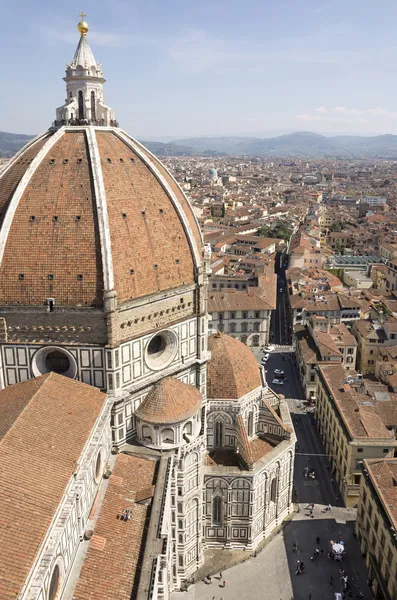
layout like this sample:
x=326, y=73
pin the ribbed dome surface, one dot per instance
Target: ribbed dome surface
x=232, y=371
x=170, y=401
x=85, y=210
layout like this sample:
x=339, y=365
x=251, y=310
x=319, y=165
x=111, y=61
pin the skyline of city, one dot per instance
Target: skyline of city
x=211, y=69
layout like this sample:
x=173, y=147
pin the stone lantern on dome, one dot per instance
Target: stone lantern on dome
x=84, y=88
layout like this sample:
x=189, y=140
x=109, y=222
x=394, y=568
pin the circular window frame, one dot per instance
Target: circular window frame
x=39, y=358
x=167, y=355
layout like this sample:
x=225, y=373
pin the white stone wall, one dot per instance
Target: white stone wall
x=251, y=507
x=186, y=509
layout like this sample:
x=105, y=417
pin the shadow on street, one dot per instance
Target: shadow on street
x=316, y=578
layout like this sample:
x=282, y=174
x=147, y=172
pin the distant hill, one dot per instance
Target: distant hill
x=12, y=142
x=303, y=144
x=174, y=149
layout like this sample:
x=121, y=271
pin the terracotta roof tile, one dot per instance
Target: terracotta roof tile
x=383, y=474
x=232, y=371
x=169, y=401
x=41, y=445
x=111, y=567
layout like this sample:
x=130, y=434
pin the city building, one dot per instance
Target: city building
x=373, y=200
x=371, y=336
x=350, y=427
x=104, y=342
x=391, y=277
x=357, y=280
x=321, y=342
x=376, y=525
x=244, y=315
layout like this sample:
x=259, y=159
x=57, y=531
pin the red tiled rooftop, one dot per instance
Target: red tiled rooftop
x=169, y=401
x=111, y=567
x=232, y=371
x=47, y=423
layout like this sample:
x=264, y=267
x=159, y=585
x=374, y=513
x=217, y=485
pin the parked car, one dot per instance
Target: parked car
x=270, y=348
x=278, y=381
x=278, y=372
x=281, y=290
x=266, y=357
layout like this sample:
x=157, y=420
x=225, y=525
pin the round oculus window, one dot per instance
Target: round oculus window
x=52, y=359
x=161, y=350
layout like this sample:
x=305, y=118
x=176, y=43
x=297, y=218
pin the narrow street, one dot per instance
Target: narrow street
x=280, y=321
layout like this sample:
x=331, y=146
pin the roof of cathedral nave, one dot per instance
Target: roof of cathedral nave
x=233, y=370
x=44, y=426
x=86, y=209
x=169, y=401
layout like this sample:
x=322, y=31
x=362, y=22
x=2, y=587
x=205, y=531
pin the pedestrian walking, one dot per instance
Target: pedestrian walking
x=317, y=539
x=220, y=575
x=224, y=583
x=312, y=558
x=322, y=551
x=331, y=581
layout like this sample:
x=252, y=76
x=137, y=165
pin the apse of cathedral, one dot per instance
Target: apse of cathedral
x=130, y=440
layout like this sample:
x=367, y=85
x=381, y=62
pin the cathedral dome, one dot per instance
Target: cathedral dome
x=232, y=371
x=88, y=210
x=169, y=401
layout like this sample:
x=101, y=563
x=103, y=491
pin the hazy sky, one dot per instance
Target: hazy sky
x=180, y=68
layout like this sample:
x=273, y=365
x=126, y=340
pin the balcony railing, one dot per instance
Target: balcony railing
x=85, y=123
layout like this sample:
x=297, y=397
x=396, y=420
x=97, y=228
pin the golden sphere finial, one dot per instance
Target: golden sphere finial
x=82, y=25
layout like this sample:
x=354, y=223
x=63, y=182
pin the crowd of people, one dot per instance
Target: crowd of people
x=94, y=122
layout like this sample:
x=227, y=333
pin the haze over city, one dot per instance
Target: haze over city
x=179, y=69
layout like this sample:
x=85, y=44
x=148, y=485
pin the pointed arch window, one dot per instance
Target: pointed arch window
x=217, y=511
x=93, y=110
x=273, y=490
x=251, y=424
x=218, y=441
x=81, y=105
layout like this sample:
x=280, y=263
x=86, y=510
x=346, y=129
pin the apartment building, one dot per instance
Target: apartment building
x=387, y=250
x=376, y=525
x=350, y=427
x=371, y=336
x=391, y=277
x=338, y=308
x=321, y=342
x=244, y=315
